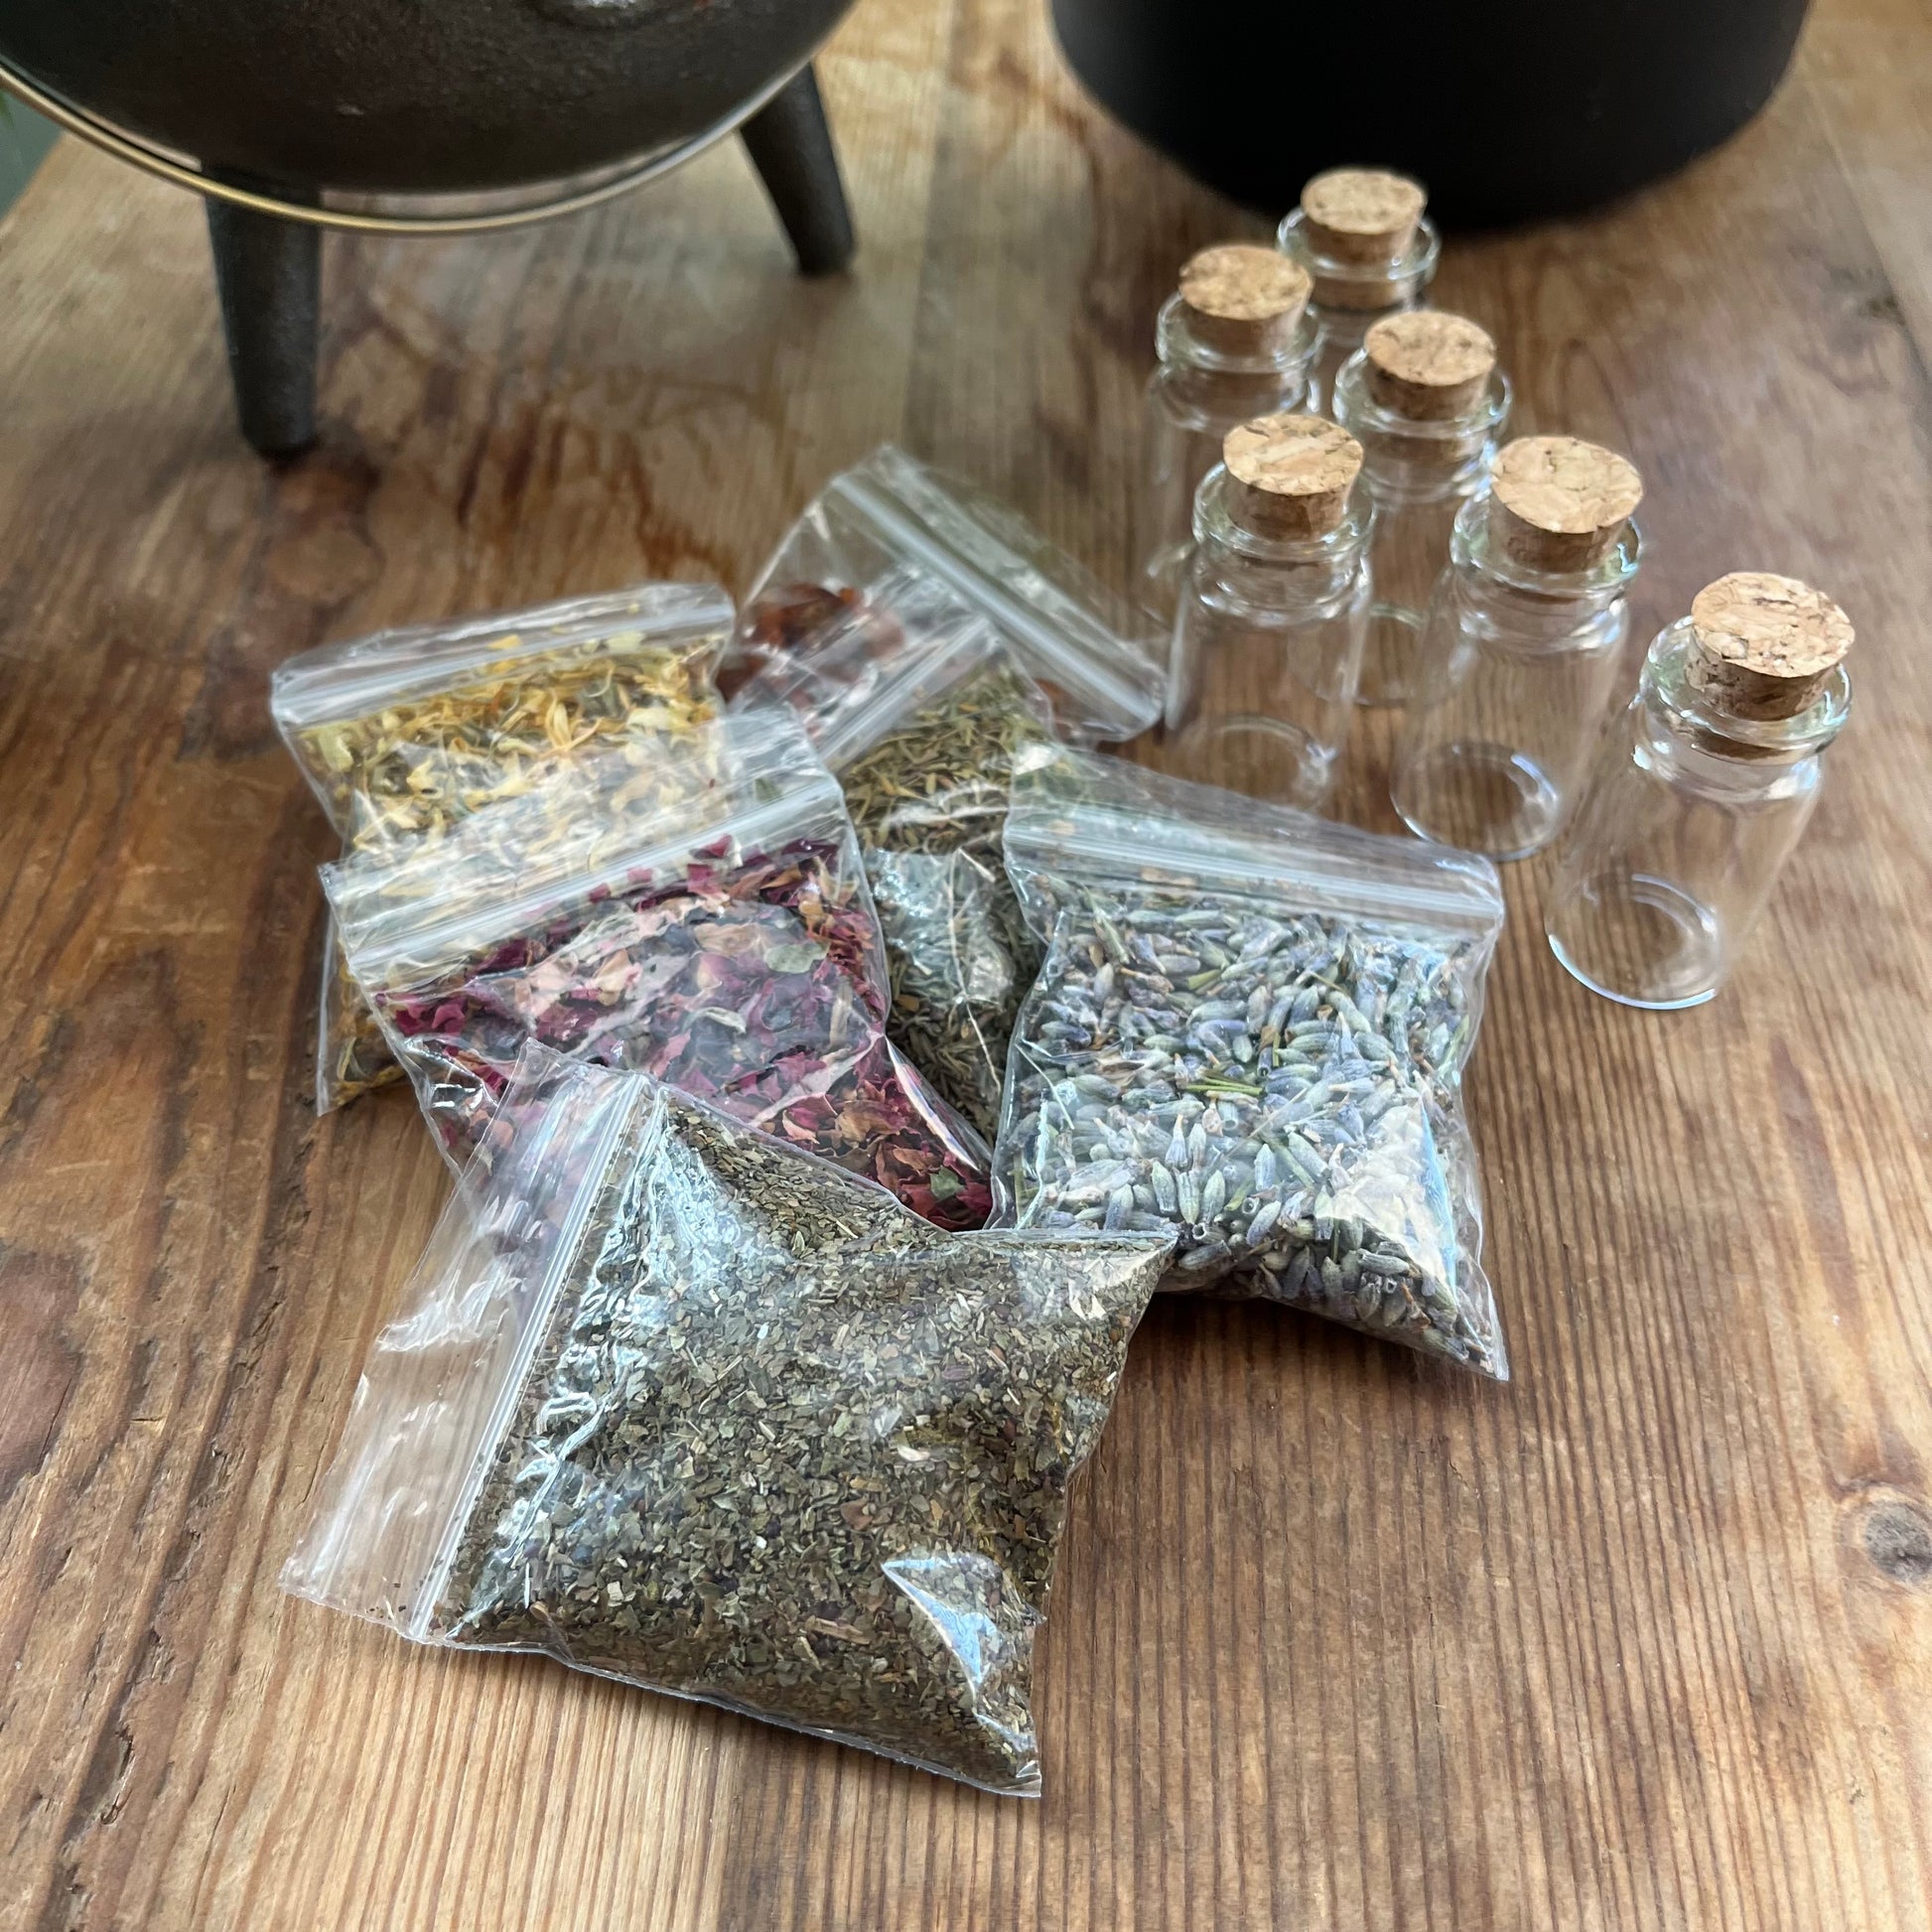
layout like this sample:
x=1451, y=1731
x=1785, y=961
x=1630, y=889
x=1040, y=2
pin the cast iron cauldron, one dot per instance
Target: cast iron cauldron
x=282, y=109
x=1507, y=109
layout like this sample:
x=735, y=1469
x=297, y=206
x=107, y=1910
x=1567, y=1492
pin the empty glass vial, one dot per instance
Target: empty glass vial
x=1424, y=399
x=1520, y=655
x=1369, y=252
x=1700, y=791
x=1268, y=636
x=1235, y=340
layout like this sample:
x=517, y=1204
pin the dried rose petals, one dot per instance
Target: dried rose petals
x=753, y=985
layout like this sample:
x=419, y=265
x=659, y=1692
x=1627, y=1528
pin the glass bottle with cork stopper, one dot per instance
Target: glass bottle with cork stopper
x=1424, y=399
x=1521, y=652
x=1369, y=251
x=1235, y=340
x=1700, y=791
x=1268, y=636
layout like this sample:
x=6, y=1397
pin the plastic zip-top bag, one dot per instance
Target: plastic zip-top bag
x=1085, y=646
x=670, y=1402
x=919, y=709
x=402, y=734
x=1250, y=1030
x=707, y=921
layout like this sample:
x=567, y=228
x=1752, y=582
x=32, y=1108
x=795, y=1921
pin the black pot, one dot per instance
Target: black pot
x=296, y=103
x=411, y=95
x=1507, y=109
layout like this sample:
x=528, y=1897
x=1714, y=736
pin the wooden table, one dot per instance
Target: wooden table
x=1642, y=1640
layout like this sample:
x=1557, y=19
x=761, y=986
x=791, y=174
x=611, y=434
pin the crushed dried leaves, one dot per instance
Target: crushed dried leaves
x=784, y=1447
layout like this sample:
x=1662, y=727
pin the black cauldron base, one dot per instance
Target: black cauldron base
x=269, y=270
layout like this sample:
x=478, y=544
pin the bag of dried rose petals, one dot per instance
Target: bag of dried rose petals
x=669, y=1401
x=1086, y=648
x=917, y=704
x=705, y=919
x=402, y=734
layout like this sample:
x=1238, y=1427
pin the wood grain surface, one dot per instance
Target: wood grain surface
x=1642, y=1642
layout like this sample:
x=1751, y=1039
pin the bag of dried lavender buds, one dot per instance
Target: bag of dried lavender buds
x=920, y=711
x=704, y=918
x=403, y=733
x=673, y=1403
x=1086, y=648
x=1250, y=1029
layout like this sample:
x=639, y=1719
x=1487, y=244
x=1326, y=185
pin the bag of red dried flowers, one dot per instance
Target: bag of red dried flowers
x=718, y=934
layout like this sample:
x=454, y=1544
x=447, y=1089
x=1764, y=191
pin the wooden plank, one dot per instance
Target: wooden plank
x=1644, y=1640
x=1866, y=66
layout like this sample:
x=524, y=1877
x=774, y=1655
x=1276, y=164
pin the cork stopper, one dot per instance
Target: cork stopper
x=1763, y=644
x=1428, y=365
x=1361, y=214
x=1291, y=475
x=1559, y=503
x=1244, y=300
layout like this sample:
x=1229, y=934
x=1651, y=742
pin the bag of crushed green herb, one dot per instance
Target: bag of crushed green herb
x=671, y=1402
x=1250, y=1030
x=919, y=709
x=402, y=734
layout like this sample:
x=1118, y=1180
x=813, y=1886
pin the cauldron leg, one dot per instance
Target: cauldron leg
x=270, y=276
x=791, y=148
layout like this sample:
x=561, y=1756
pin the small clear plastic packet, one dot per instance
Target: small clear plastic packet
x=402, y=734
x=1086, y=648
x=703, y=917
x=920, y=710
x=670, y=1402
x=1250, y=1029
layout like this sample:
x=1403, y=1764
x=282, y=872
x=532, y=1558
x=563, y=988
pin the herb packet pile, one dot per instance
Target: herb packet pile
x=707, y=921
x=1249, y=1032
x=403, y=734
x=674, y=1403
x=714, y=1378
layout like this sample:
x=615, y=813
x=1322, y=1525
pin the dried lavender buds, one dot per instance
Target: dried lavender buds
x=1262, y=1086
x=784, y=1447
x=1277, y=1085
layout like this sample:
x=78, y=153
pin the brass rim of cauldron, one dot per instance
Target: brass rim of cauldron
x=569, y=197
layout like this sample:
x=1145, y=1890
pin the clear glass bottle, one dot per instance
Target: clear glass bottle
x=1369, y=251
x=1268, y=636
x=1522, y=649
x=1699, y=792
x=1424, y=399
x=1235, y=340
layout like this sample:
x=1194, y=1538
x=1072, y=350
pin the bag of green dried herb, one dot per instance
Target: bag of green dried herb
x=917, y=705
x=706, y=921
x=707, y=1416
x=1085, y=646
x=1250, y=1029
x=402, y=734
